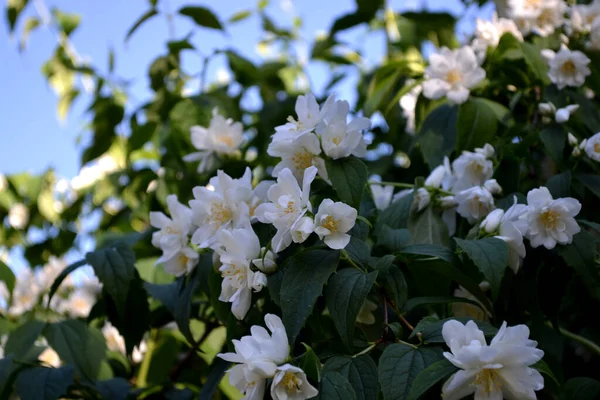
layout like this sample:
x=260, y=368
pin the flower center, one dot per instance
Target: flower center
x=302, y=160
x=172, y=231
x=476, y=167
x=549, y=219
x=336, y=140
x=532, y=3
x=290, y=209
x=330, y=224
x=291, y=382
x=453, y=77
x=568, y=68
x=219, y=213
x=489, y=380
x=596, y=147
x=183, y=259
x=546, y=17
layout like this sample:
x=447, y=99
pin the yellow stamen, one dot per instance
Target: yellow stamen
x=219, y=214
x=488, y=380
x=228, y=140
x=549, y=219
x=336, y=140
x=302, y=160
x=453, y=77
x=330, y=224
x=596, y=147
x=568, y=68
x=291, y=382
x=290, y=208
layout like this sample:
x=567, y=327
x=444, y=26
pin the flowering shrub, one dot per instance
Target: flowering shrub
x=438, y=237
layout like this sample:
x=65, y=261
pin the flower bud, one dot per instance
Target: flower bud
x=423, y=198
x=546, y=108
x=487, y=150
x=582, y=144
x=492, y=186
x=447, y=202
x=436, y=177
x=266, y=261
x=563, y=114
x=576, y=152
x=572, y=139
x=491, y=223
x=402, y=160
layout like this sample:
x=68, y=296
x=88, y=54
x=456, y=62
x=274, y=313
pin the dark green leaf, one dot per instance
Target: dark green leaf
x=202, y=16
x=580, y=256
x=399, y=366
x=13, y=11
x=7, y=276
x=67, y=22
x=554, y=138
x=61, y=277
x=217, y=371
x=395, y=216
x=358, y=250
x=21, y=340
x=422, y=301
x=310, y=364
x=542, y=367
x=433, y=250
x=334, y=386
x=581, y=389
x=305, y=275
x=490, y=255
x=427, y=227
x=361, y=372
x=393, y=239
x=348, y=21
x=345, y=294
x=560, y=185
x=429, y=377
x=244, y=70
x=477, y=123
x=592, y=182
x=535, y=61
x=114, y=389
x=143, y=18
x=44, y=383
x=393, y=283
x=437, y=137
x=78, y=344
x=432, y=332
x=349, y=177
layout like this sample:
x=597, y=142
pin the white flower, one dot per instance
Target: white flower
x=491, y=223
x=114, y=341
x=382, y=195
x=224, y=207
x=265, y=261
x=492, y=186
x=222, y=137
x=18, y=216
x=174, y=231
x=592, y=147
x=422, y=198
x=452, y=73
x=500, y=370
x=541, y=17
x=184, y=261
x=298, y=154
x=471, y=169
x=26, y=292
x=340, y=138
x=474, y=203
x=290, y=383
x=487, y=150
x=257, y=357
x=488, y=33
x=237, y=249
x=408, y=103
x=365, y=314
x=563, y=114
x=567, y=68
x=78, y=304
x=512, y=229
x=448, y=202
x=50, y=357
x=302, y=229
x=436, y=177
x=546, y=108
x=309, y=115
x=288, y=204
x=594, y=42
x=550, y=221
x=573, y=141
x=259, y=196
x=583, y=16
x=332, y=222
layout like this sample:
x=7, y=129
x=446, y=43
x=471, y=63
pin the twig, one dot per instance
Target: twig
x=405, y=322
x=365, y=351
x=579, y=339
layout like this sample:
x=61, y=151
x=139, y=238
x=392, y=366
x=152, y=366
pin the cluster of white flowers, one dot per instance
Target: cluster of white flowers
x=591, y=146
x=499, y=370
x=585, y=19
x=452, y=73
x=567, y=68
x=261, y=356
x=488, y=33
x=223, y=137
x=540, y=17
x=318, y=130
x=561, y=115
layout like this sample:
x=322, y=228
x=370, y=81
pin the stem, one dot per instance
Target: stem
x=405, y=322
x=365, y=351
x=346, y=257
x=396, y=184
x=408, y=344
x=580, y=339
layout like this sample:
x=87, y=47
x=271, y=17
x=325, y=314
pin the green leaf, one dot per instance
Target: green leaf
x=345, y=294
x=554, y=139
x=581, y=389
x=31, y=24
x=21, y=340
x=358, y=250
x=239, y=16
x=44, y=383
x=382, y=86
x=432, y=332
x=490, y=255
x=305, y=275
x=13, y=11
x=310, y=364
x=393, y=239
x=535, y=61
x=433, y=250
x=477, y=123
x=399, y=366
x=580, y=256
x=560, y=185
x=542, y=367
x=361, y=372
x=427, y=227
x=113, y=389
x=347, y=21
x=592, y=182
x=217, y=371
x=7, y=276
x=395, y=216
x=429, y=377
x=243, y=69
x=334, y=386
x=61, y=277
x=437, y=137
x=416, y=302
x=202, y=16
x=66, y=21
x=394, y=285
x=143, y=18
x=349, y=177
x=78, y=344
x=114, y=266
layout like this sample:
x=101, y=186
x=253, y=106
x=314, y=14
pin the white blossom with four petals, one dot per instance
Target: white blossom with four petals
x=333, y=221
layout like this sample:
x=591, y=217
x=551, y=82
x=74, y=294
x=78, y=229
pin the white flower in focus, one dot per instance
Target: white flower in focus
x=452, y=73
x=471, y=169
x=259, y=196
x=302, y=229
x=500, y=370
x=222, y=137
x=332, y=222
x=257, y=356
x=309, y=115
x=184, y=261
x=550, y=221
x=488, y=34
x=592, y=147
x=174, y=231
x=422, y=198
x=474, y=203
x=567, y=68
x=18, y=216
x=265, y=261
x=382, y=195
x=298, y=154
x=365, y=314
x=288, y=204
x=237, y=249
x=291, y=383
x=340, y=138
x=563, y=114
x=223, y=207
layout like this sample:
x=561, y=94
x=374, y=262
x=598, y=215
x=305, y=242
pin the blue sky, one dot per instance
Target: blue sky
x=33, y=138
